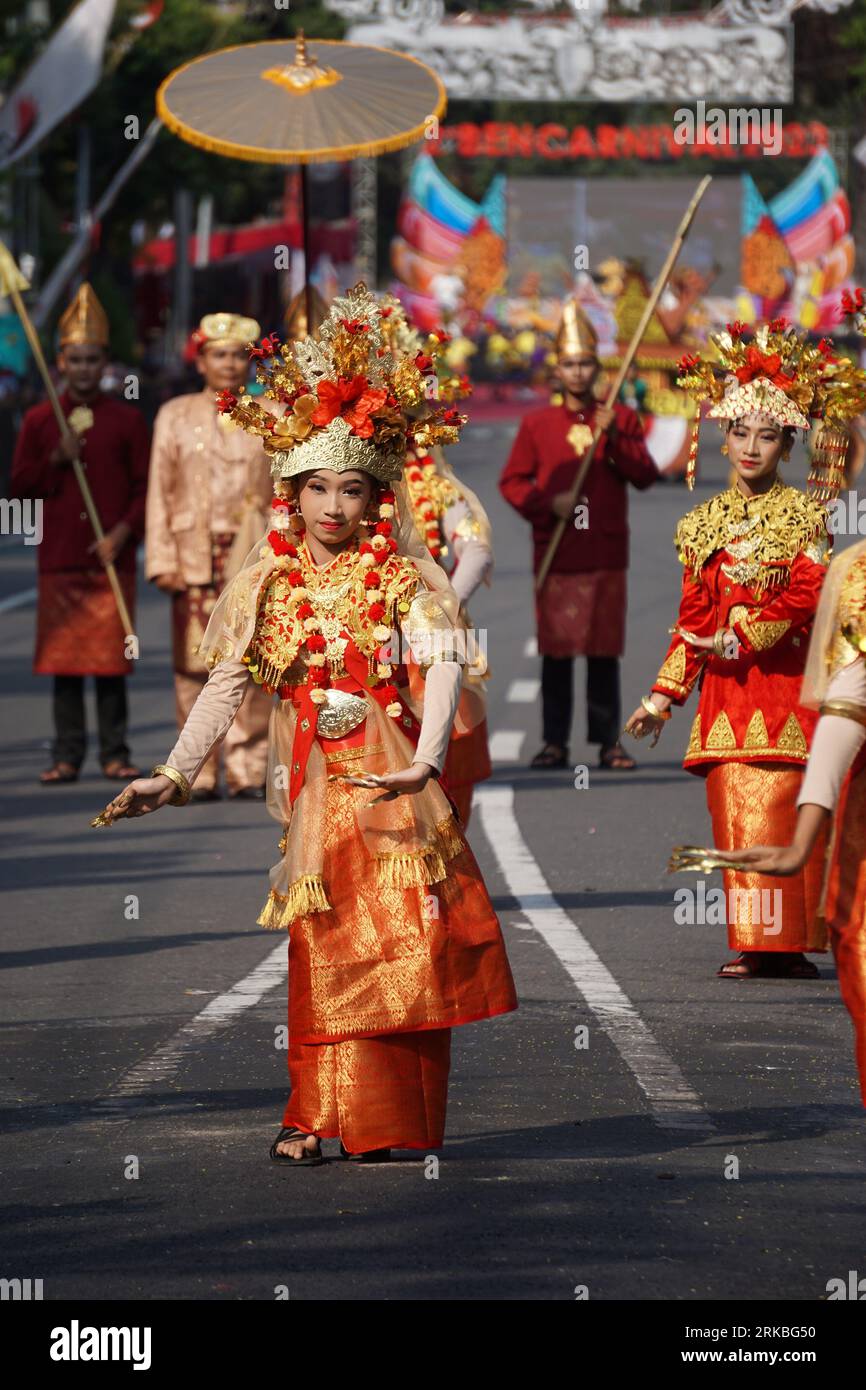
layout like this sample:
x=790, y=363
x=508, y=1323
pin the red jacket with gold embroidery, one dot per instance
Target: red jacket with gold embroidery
x=756, y=566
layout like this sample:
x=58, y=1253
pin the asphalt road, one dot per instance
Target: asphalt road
x=591, y=1134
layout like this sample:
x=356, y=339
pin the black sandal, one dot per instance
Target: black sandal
x=614, y=758
x=370, y=1156
x=311, y=1159
x=547, y=758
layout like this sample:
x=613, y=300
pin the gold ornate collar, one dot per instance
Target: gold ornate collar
x=762, y=534
x=338, y=596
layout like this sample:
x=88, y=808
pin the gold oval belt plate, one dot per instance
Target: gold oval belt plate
x=340, y=714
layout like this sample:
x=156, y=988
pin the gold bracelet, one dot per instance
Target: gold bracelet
x=844, y=709
x=184, y=790
x=654, y=709
x=719, y=643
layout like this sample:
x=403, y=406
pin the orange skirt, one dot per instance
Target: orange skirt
x=846, y=907
x=755, y=804
x=375, y=1093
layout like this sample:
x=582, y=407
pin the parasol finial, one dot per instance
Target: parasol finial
x=305, y=73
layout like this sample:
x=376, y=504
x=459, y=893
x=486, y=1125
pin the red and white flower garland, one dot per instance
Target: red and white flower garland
x=371, y=554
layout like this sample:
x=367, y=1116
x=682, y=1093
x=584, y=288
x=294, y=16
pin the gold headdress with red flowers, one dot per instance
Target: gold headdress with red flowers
x=347, y=395
x=780, y=374
x=428, y=351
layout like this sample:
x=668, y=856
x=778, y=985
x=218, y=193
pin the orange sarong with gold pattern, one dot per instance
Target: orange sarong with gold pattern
x=846, y=905
x=755, y=804
x=377, y=982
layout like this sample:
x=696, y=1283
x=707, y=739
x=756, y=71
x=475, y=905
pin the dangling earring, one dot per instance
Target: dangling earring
x=786, y=454
x=724, y=448
x=296, y=521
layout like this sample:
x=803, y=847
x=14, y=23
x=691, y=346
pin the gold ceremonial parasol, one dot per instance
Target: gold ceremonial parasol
x=278, y=103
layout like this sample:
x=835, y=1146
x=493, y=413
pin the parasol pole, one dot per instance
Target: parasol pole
x=305, y=237
x=12, y=282
x=649, y=309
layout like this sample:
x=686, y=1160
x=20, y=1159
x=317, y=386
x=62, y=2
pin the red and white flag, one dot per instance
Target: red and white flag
x=64, y=74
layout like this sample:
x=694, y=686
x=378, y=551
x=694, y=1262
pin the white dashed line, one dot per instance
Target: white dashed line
x=523, y=692
x=505, y=745
x=156, y=1069
x=673, y=1102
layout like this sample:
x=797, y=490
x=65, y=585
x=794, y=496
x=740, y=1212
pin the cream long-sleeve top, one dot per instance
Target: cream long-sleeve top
x=211, y=716
x=836, y=742
x=473, y=558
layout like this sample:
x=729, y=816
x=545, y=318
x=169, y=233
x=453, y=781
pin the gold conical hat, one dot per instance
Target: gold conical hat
x=84, y=321
x=295, y=317
x=575, y=333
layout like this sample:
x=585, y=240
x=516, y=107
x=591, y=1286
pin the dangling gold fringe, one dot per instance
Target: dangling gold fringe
x=415, y=868
x=827, y=473
x=771, y=576
x=692, y=462
x=306, y=895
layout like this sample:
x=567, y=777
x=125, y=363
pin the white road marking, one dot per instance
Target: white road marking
x=505, y=745
x=531, y=647
x=673, y=1102
x=523, y=692
x=161, y=1065
x=18, y=600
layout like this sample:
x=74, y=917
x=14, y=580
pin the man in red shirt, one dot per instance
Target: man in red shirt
x=581, y=608
x=78, y=629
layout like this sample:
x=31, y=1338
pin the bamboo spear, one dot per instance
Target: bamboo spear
x=12, y=282
x=649, y=309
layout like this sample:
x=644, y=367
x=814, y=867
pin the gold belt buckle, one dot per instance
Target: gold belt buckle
x=340, y=714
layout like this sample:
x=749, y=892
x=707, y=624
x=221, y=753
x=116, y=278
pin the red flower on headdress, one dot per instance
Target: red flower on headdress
x=852, y=303
x=354, y=400
x=687, y=362
x=451, y=417
x=225, y=402
x=266, y=348
x=825, y=347
x=778, y=325
x=386, y=312
x=768, y=364
x=423, y=362
x=736, y=329
x=354, y=325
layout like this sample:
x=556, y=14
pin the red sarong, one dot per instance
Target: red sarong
x=78, y=627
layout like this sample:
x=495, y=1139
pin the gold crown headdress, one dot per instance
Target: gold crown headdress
x=84, y=320
x=576, y=334
x=347, y=396
x=780, y=374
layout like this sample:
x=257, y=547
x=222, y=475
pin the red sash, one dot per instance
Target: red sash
x=305, y=729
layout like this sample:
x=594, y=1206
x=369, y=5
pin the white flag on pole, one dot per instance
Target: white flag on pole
x=66, y=71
